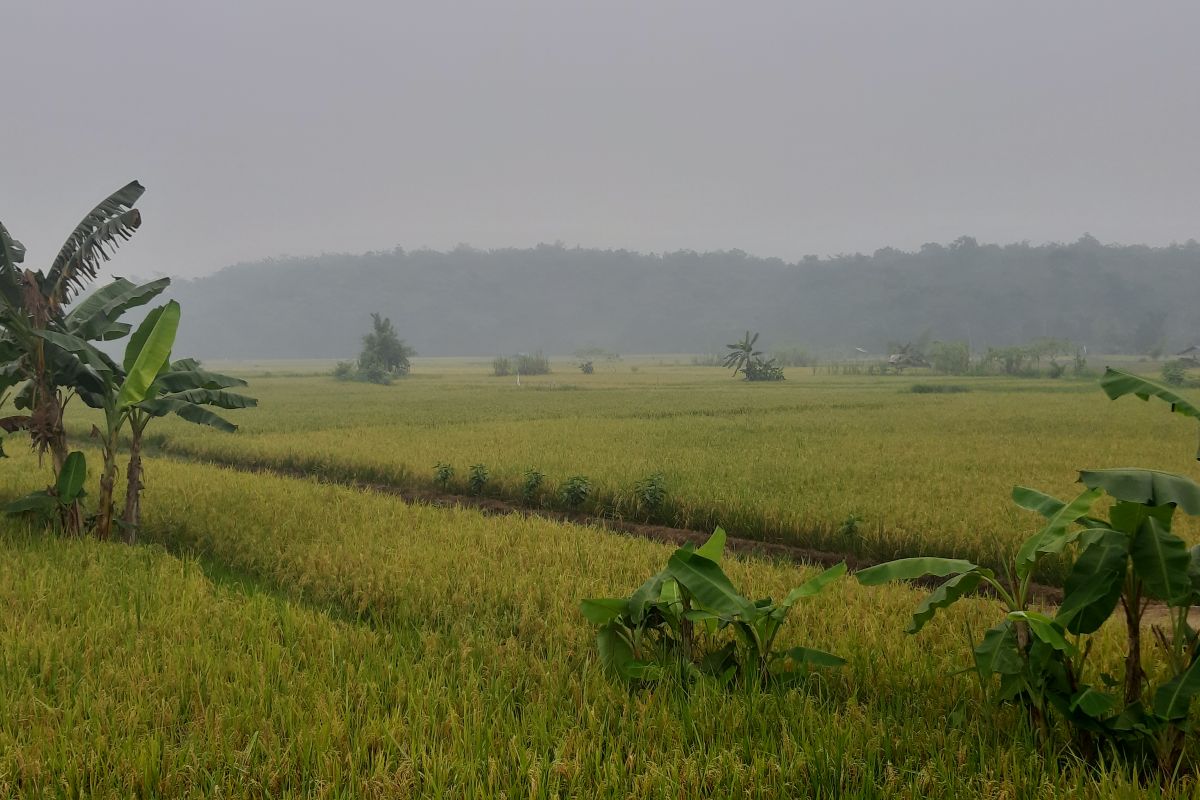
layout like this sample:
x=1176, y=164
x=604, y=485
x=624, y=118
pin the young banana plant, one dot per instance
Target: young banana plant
x=185, y=389
x=639, y=635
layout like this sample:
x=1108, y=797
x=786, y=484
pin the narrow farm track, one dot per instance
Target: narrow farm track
x=491, y=506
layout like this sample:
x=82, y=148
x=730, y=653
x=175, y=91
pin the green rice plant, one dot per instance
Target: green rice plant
x=443, y=473
x=531, y=485
x=575, y=490
x=477, y=478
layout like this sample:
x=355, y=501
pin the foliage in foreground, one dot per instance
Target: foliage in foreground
x=673, y=623
x=346, y=666
x=51, y=356
x=1130, y=559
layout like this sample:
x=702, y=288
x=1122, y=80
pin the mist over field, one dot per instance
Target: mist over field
x=1133, y=299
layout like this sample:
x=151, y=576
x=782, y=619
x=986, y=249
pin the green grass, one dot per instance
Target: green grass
x=284, y=638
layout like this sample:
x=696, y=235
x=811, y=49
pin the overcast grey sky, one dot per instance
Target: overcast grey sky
x=781, y=128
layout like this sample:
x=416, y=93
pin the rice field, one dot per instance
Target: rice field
x=283, y=638
x=853, y=464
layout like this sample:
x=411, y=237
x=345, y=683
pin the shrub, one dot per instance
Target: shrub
x=575, y=490
x=443, y=473
x=531, y=484
x=1174, y=373
x=501, y=366
x=344, y=370
x=651, y=492
x=759, y=370
x=950, y=358
x=536, y=364
x=587, y=368
x=477, y=478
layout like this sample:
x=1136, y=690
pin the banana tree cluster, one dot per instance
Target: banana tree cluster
x=1128, y=559
x=675, y=621
x=49, y=356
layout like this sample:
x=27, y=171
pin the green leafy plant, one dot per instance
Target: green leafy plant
x=54, y=505
x=650, y=493
x=443, y=473
x=33, y=302
x=501, y=366
x=676, y=622
x=1127, y=560
x=587, y=368
x=745, y=359
x=477, y=478
x=575, y=490
x=531, y=484
x=189, y=392
x=124, y=388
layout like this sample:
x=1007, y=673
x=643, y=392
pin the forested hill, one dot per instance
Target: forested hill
x=473, y=302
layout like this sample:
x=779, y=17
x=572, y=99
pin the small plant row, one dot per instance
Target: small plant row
x=647, y=499
x=1118, y=565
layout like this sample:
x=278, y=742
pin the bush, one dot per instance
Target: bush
x=759, y=370
x=1174, y=373
x=651, y=492
x=477, y=478
x=344, y=371
x=442, y=474
x=587, y=368
x=501, y=366
x=950, y=358
x=536, y=364
x=575, y=490
x=531, y=484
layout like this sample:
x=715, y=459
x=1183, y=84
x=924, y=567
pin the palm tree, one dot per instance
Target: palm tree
x=742, y=354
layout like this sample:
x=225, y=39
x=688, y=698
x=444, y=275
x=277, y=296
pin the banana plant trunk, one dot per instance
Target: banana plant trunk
x=108, y=479
x=1134, y=677
x=131, y=518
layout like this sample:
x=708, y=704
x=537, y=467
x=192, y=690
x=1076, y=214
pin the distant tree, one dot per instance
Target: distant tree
x=383, y=350
x=745, y=359
x=742, y=353
x=950, y=358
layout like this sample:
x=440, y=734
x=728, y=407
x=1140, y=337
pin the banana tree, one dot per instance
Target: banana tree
x=742, y=354
x=1118, y=383
x=184, y=389
x=33, y=302
x=125, y=386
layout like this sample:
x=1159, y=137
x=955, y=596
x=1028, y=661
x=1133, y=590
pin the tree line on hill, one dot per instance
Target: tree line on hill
x=1107, y=298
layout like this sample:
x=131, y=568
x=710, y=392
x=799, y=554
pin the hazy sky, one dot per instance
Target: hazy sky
x=781, y=128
